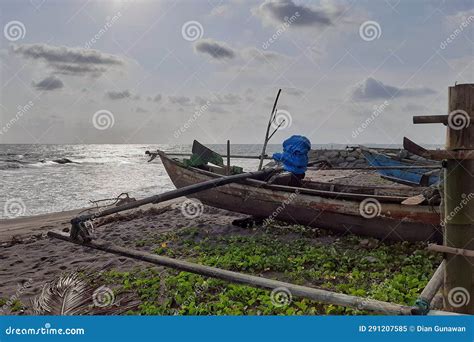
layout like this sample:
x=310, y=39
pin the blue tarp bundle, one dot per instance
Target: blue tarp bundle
x=295, y=154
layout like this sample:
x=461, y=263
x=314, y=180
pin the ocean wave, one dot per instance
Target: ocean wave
x=10, y=166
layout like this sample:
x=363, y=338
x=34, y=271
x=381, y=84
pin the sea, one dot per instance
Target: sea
x=40, y=179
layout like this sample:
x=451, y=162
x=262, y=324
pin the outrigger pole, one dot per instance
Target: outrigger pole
x=322, y=296
x=79, y=229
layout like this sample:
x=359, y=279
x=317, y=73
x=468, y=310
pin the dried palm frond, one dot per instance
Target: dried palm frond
x=72, y=294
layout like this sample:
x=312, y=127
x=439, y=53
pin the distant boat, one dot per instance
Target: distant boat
x=415, y=177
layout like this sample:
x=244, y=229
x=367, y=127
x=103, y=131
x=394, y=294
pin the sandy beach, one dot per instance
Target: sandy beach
x=30, y=258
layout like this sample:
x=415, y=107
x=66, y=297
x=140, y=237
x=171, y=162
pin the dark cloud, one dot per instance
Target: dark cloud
x=215, y=49
x=280, y=11
x=157, y=98
x=67, y=60
x=371, y=89
x=118, y=95
x=49, y=83
x=181, y=100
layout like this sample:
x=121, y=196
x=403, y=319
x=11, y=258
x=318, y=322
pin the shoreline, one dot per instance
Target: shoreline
x=20, y=228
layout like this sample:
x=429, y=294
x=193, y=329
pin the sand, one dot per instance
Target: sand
x=30, y=259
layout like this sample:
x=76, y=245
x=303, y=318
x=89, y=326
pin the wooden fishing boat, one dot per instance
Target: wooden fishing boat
x=345, y=209
x=423, y=176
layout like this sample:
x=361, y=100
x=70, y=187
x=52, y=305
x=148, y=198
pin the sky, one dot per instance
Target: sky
x=136, y=71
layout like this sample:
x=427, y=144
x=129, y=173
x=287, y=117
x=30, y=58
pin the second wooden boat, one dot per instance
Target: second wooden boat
x=414, y=176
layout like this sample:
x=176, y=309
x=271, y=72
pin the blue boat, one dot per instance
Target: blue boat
x=415, y=177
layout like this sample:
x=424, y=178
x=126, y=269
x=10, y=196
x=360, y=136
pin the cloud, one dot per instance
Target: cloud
x=118, y=95
x=224, y=11
x=218, y=99
x=293, y=91
x=49, y=83
x=413, y=107
x=215, y=49
x=181, y=100
x=221, y=51
x=68, y=60
x=141, y=110
x=261, y=55
x=280, y=11
x=157, y=98
x=372, y=89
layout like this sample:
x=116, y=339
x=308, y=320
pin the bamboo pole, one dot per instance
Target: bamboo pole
x=265, y=142
x=434, y=284
x=459, y=207
x=406, y=167
x=451, y=250
x=233, y=156
x=322, y=296
x=79, y=231
x=228, y=158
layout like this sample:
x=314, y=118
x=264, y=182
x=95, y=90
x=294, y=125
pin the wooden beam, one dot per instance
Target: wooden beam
x=414, y=148
x=429, y=119
x=450, y=250
x=322, y=296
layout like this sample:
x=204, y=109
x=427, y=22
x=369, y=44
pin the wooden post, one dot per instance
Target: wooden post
x=228, y=158
x=459, y=201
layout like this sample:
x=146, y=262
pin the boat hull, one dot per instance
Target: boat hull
x=419, y=176
x=390, y=221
